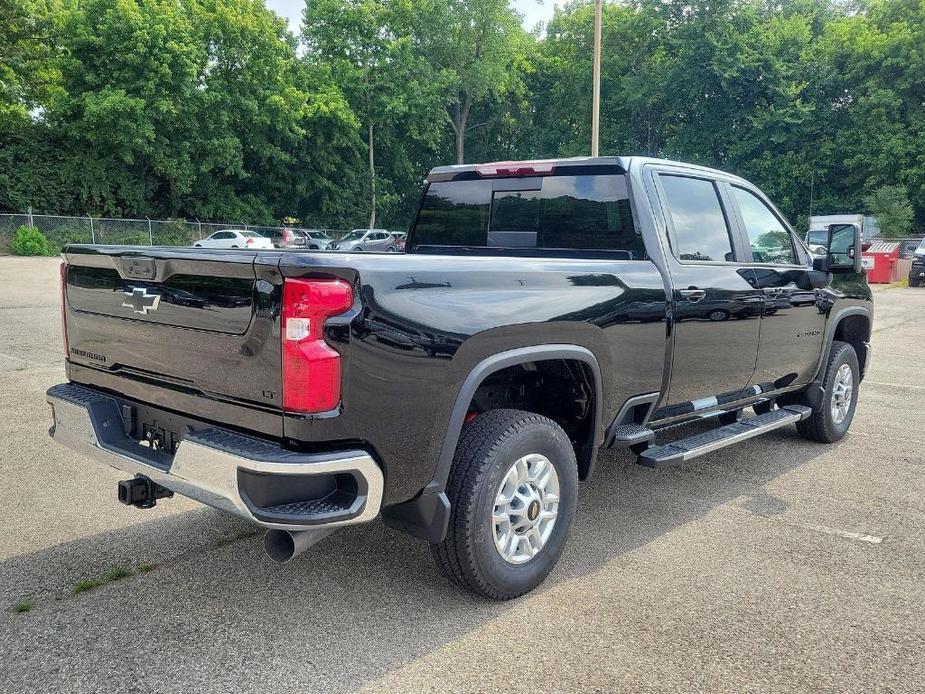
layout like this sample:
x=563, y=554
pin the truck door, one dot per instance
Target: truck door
x=716, y=308
x=792, y=323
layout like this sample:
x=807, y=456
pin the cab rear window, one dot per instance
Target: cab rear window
x=574, y=213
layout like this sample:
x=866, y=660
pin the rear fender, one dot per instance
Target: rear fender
x=427, y=515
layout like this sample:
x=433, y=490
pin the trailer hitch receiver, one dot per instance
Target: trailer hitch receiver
x=142, y=492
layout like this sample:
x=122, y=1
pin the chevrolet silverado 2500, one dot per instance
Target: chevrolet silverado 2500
x=461, y=390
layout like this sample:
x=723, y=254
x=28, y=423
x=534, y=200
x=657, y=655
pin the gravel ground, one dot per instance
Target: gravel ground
x=776, y=565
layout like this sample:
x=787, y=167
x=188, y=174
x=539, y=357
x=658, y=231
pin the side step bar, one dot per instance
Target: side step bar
x=627, y=435
x=694, y=446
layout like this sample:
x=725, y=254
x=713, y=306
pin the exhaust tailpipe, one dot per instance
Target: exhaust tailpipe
x=283, y=545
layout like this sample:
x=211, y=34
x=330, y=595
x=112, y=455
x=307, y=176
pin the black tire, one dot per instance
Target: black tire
x=390, y=249
x=198, y=245
x=487, y=449
x=821, y=426
x=234, y=246
x=914, y=282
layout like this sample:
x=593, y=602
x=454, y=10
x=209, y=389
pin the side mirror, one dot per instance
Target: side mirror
x=844, y=249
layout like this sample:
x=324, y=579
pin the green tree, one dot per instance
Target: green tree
x=26, y=65
x=472, y=44
x=173, y=108
x=367, y=47
x=266, y=131
x=890, y=205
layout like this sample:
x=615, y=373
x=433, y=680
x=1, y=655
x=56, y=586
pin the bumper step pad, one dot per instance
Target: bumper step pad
x=700, y=444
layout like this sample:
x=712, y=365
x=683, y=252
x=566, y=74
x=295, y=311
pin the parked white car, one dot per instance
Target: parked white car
x=234, y=238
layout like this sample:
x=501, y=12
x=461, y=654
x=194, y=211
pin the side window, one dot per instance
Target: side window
x=769, y=239
x=700, y=228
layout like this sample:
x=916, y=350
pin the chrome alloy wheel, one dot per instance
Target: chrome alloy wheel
x=841, y=393
x=525, y=508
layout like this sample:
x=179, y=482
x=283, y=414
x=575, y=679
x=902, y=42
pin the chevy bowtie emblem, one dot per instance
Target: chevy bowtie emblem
x=140, y=301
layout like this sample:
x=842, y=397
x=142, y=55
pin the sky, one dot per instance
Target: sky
x=533, y=11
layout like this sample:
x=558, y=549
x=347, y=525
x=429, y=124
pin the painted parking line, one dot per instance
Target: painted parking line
x=894, y=385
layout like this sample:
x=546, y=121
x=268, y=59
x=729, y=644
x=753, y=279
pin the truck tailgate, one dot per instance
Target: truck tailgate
x=200, y=322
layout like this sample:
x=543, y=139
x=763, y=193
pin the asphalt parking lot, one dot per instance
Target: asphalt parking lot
x=775, y=565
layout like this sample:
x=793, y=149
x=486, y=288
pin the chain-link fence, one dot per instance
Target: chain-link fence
x=62, y=230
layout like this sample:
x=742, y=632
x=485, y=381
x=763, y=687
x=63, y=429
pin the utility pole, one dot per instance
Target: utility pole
x=596, y=98
x=812, y=184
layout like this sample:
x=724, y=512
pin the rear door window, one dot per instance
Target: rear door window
x=583, y=212
x=700, y=229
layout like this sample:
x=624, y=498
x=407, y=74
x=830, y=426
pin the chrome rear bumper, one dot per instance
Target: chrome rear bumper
x=254, y=478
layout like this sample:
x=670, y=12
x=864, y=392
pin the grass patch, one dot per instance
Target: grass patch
x=145, y=568
x=114, y=574
x=23, y=606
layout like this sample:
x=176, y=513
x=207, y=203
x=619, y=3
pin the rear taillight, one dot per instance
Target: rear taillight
x=64, y=308
x=311, y=369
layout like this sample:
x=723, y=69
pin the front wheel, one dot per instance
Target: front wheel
x=512, y=492
x=830, y=421
x=390, y=249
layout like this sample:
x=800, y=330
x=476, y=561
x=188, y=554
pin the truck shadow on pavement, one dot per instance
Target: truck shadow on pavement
x=216, y=614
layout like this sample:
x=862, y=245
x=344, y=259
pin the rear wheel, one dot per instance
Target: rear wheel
x=830, y=421
x=512, y=493
x=914, y=281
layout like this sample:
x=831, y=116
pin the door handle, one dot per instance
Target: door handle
x=692, y=295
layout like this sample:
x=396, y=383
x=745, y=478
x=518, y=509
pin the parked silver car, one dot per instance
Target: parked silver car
x=317, y=239
x=366, y=240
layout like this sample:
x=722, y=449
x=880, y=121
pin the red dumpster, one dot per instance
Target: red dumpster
x=882, y=262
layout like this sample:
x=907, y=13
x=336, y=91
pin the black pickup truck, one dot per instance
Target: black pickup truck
x=541, y=311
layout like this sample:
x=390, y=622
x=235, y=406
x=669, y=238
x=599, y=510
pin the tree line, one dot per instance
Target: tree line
x=213, y=109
